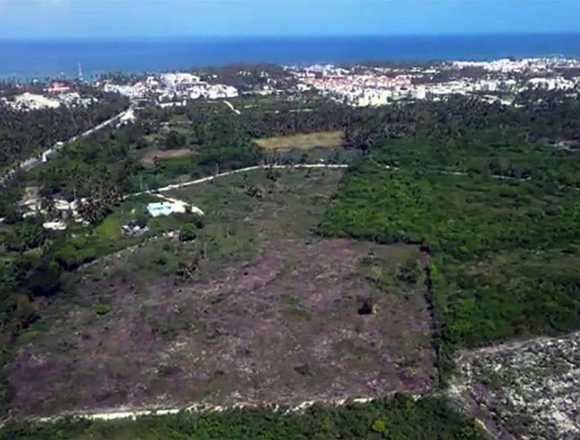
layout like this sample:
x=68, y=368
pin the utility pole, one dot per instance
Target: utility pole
x=81, y=78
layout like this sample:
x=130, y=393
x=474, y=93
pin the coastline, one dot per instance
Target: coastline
x=59, y=58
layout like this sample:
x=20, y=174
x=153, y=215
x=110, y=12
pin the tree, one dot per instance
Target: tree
x=44, y=278
x=175, y=140
x=188, y=232
x=25, y=236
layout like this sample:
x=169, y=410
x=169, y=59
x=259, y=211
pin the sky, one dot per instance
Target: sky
x=40, y=19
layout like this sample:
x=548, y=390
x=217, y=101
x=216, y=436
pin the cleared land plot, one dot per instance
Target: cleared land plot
x=268, y=313
x=328, y=139
x=150, y=157
x=524, y=390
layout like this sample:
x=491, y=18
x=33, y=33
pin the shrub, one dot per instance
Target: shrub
x=44, y=279
x=102, y=309
x=188, y=233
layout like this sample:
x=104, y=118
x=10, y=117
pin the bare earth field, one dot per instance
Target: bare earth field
x=284, y=323
x=524, y=390
x=329, y=139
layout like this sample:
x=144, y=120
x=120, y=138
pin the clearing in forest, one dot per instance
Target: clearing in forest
x=257, y=309
x=327, y=139
x=150, y=157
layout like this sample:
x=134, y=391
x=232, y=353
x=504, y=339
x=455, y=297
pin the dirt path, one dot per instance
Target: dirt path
x=134, y=413
x=231, y=173
x=305, y=166
x=515, y=345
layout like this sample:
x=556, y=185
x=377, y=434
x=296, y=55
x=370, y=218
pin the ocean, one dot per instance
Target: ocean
x=21, y=59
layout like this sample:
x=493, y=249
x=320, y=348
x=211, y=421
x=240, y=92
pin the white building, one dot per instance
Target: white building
x=159, y=209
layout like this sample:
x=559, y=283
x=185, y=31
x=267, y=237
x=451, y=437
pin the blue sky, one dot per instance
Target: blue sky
x=135, y=18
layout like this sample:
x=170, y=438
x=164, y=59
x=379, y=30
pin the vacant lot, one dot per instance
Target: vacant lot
x=329, y=139
x=265, y=312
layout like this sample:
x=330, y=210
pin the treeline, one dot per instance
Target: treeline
x=460, y=133
x=541, y=116
x=399, y=418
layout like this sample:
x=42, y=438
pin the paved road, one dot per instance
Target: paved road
x=232, y=108
x=32, y=162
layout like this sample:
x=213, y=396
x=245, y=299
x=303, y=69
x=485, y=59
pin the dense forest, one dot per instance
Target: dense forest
x=24, y=133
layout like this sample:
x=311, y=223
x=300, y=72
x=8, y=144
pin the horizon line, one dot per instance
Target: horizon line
x=285, y=37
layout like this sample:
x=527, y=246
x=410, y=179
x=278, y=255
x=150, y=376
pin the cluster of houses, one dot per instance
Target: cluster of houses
x=363, y=86
x=524, y=65
x=61, y=212
x=54, y=96
x=172, y=89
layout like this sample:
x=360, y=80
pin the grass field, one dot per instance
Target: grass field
x=329, y=139
x=150, y=157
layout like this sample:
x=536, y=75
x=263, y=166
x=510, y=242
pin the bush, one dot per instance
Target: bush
x=380, y=205
x=175, y=140
x=27, y=235
x=75, y=253
x=409, y=272
x=44, y=279
x=188, y=232
x=102, y=309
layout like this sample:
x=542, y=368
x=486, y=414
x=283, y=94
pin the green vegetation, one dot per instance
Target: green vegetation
x=23, y=134
x=380, y=205
x=329, y=139
x=400, y=418
x=517, y=294
x=503, y=252
x=83, y=245
x=463, y=216
x=506, y=252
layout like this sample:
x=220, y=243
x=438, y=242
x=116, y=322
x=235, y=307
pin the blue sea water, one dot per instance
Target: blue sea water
x=38, y=59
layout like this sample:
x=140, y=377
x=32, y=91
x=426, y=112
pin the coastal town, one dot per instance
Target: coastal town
x=498, y=81
x=492, y=81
